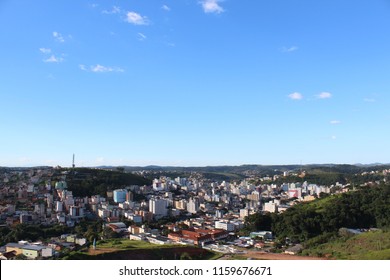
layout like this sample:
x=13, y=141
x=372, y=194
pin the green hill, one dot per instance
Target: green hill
x=365, y=208
x=124, y=249
x=373, y=245
x=89, y=181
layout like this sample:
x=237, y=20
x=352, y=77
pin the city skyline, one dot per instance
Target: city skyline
x=194, y=83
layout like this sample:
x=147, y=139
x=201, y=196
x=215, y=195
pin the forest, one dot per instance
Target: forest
x=88, y=182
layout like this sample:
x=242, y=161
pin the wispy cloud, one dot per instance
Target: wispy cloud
x=334, y=137
x=141, y=36
x=370, y=100
x=165, y=8
x=114, y=10
x=136, y=19
x=54, y=59
x=295, y=96
x=83, y=67
x=171, y=45
x=58, y=37
x=212, y=6
x=100, y=68
x=335, y=122
x=45, y=50
x=24, y=160
x=289, y=49
x=100, y=160
x=324, y=95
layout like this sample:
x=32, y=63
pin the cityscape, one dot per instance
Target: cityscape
x=52, y=212
x=194, y=130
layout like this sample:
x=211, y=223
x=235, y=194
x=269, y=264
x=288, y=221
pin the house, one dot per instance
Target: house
x=47, y=252
x=17, y=247
x=138, y=237
x=261, y=234
x=32, y=251
x=8, y=255
x=259, y=245
x=198, y=236
x=117, y=227
x=160, y=240
x=296, y=249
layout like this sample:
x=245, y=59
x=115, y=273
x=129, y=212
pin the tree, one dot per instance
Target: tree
x=108, y=233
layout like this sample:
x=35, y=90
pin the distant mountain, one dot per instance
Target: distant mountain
x=266, y=170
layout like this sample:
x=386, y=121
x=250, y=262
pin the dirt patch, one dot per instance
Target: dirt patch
x=150, y=254
x=274, y=256
x=99, y=251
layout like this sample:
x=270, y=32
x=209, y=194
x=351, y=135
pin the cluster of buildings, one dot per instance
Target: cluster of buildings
x=35, y=198
x=40, y=250
x=204, y=211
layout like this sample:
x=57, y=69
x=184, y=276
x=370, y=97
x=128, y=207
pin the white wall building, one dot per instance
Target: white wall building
x=224, y=225
x=270, y=207
x=193, y=206
x=158, y=207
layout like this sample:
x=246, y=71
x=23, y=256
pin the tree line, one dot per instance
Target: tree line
x=365, y=208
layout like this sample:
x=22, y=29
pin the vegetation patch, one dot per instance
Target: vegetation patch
x=365, y=246
x=139, y=250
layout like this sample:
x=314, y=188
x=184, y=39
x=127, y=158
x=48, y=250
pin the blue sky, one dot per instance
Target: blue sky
x=194, y=83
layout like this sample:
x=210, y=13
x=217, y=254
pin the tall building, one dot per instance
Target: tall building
x=193, y=205
x=120, y=195
x=62, y=185
x=76, y=212
x=270, y=207
x=158, y=207
x=244, y=213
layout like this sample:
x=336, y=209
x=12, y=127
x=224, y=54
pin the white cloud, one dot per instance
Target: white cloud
x=334, y=137
x=335, y=122
x=114, y=10
x=289, y=49
x=324, y=95
x=82, y=67
x=370, y=100
x=295, y=96
x=100, y=160
x=45, y=50
x=137, y=19
x=58, y=37
x=212, y=6
x=165, y=8
x=141, y=36
x=54, y=59
x=24, y=160
x=100, y=68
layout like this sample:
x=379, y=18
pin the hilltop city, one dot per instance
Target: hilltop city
x=52, y=212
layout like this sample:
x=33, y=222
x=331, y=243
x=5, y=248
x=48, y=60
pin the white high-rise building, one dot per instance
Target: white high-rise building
x=193, y=205
x=244, y=213
x=270, y=207
x=158, y=207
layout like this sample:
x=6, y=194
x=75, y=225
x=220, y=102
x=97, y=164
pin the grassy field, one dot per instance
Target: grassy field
x=126, y=244
x=366, y=246
x=124, y=249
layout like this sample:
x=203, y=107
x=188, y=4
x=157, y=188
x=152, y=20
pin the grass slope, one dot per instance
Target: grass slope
x=366, y=246
x=119, y=249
